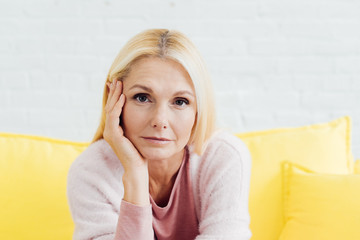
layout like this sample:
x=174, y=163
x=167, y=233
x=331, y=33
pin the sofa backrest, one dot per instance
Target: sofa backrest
x=33, y=173
x=323, y=148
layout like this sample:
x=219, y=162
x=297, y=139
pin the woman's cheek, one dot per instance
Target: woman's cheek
x=186, y=120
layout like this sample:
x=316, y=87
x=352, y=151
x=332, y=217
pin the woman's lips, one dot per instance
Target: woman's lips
x=157, y=140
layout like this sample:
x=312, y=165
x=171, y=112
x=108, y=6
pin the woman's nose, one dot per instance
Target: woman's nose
x=160, y=117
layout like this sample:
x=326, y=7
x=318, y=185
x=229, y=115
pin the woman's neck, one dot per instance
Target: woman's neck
x=162, y=176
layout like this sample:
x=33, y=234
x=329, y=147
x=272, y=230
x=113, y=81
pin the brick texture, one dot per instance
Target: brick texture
x=274, y=63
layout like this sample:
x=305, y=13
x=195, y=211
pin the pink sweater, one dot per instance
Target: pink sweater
x=209, y=199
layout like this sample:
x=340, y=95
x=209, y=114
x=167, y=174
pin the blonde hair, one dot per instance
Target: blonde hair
x=168, y=44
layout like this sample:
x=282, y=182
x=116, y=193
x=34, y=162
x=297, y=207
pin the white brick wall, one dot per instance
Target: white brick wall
x=274, y=63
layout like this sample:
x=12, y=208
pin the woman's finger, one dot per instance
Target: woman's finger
x=119, y=105
x=116, y=92
x=110, y=94
x=109, y=103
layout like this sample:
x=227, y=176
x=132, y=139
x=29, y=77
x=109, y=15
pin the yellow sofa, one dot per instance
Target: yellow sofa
x=287, y=165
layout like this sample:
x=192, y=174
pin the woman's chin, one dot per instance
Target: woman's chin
x=153, y=154
x=156, y=154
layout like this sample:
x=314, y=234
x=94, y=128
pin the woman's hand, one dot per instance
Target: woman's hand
x=113, y=132
x=136, y=177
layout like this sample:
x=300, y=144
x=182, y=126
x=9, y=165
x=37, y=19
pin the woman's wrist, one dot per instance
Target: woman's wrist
x=136, y=187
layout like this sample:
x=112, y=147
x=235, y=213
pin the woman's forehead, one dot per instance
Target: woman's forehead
x=156, y=72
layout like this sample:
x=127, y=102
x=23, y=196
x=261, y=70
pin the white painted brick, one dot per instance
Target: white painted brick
x=61, y=44
x=50, y=9
x=55, y=118
x=226, y=101
x=26, y=27
x=319, y=117
x=348, y=64
x=347, y=29
x=281, y=9
x=4, y=100
x=170, y=10
x=9, y=27
x=85, y=100
x=74, y=82
x=92, y=117
x=73, y=27
x=269, y=101
x=6, y=45
x=309, y=10
x=274, y=63
x=324, y=82
x=12, y=119
x=109, y=46
x=316, y=30
x=97, y=82
x=293, y=118
x=277, y=82
x=64, y=82
x=29, y=45
x=329, y=101
x=124, y=28
x=307, y=65
x=10, y=9
x=226, y=82
x=303, y=47
x=340, y=10
x=229, y=10
x=264, y=101
x=42, y=81
x=115, y=9
x=339, y=83
x=72, y=63
x=219, y=47
x=12, y=62
x=252, y=121
x=230, y=121
x=14, y=80
x=39, y=100
x=243, y=65
x=309, y=82
x=356, y=82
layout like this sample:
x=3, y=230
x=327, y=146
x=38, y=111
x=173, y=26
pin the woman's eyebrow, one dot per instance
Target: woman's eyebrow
x=151, y=91
x=142, y=87
x=184, y=92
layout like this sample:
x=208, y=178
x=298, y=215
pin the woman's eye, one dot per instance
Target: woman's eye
x=141, y=98
x=181, y=102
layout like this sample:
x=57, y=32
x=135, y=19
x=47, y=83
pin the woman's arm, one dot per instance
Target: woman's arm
x=95, y=193
x=135, y=211
x=136, y=176
x=91, y=189
x=223, y=188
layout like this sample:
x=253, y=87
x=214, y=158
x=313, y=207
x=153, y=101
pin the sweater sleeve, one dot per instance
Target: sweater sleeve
x=134, y=222
x=223, y=188
x=95, y=194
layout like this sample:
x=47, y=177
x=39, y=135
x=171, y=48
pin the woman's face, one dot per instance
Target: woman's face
x=160, y=108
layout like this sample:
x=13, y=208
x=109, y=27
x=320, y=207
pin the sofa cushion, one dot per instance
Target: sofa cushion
x=33, y=173
x=320, y=206
x=325, y=148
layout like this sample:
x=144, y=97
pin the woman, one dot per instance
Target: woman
x=159, y=171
